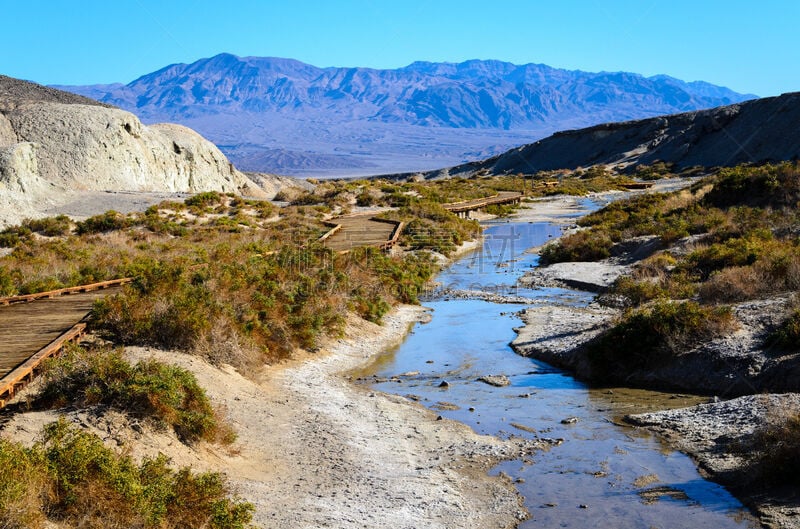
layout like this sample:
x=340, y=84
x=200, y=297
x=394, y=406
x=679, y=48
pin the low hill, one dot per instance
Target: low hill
x=55, y=144
x=761, y=130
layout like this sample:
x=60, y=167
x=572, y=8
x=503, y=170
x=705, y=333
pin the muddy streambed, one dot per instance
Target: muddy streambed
x=603, y=474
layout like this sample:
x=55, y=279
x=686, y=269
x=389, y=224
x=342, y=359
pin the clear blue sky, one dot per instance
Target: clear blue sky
x=749, y=46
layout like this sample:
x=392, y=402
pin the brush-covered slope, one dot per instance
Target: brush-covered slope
x=761, y=130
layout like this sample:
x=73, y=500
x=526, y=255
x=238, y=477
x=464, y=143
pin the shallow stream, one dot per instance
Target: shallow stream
x=603, y=474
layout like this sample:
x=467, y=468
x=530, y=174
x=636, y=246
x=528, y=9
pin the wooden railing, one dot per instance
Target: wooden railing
x=25, y=372
x=398, y=229
x=62, y=291
x=478, y=203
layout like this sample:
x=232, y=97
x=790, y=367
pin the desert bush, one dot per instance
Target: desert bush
x=365, y=198
x=40, y=285
x=764, y=186
x=163, y=307
x=167, y=395
x=738, y=251
x=307, y=198
x=108, y=221
x=8, y=282
x=787, y=335
x=25, y=486
x=72, y=478
x=774, y=452
x=653, y=334
x=429, y=226
x=584, y=245
x=12, y=236
x=655, y=171
x=50, y=226
x=204, y=200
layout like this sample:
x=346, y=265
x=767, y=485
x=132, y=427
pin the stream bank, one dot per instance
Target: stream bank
x=601, y=474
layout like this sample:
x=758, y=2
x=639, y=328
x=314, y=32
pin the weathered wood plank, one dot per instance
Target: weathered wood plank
x=62, y=291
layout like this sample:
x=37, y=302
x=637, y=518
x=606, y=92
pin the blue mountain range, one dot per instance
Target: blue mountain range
x=285, y=116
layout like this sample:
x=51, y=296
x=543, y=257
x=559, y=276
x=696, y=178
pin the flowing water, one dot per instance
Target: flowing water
x=603, y=474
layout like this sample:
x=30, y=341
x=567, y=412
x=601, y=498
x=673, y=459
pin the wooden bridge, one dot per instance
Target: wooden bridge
x=463, y=208
x=36, y=326
x=362, y=230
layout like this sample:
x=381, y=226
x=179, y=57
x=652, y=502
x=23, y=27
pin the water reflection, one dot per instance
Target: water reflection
x=603, y=475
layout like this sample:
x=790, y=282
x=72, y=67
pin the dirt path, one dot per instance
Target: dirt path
x=315, y=450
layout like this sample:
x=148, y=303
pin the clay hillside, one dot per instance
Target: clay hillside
x=762, y=130
x=56, y=148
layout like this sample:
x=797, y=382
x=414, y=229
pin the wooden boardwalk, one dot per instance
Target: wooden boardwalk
x=362, y=230
x=503, y=197
x=28, y=328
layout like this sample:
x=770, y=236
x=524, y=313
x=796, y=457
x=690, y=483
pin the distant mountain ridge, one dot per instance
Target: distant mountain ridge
x=252, y=106
x=758, y=131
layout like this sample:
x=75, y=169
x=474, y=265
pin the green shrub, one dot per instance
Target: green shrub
x=584, y=245
x=71, y=478
x=731, y=252
x=44, y=284
x=652, y=335
x=774, y=453
x=306, y=198
x=365, y=198
x=767, y=185
x=8, y=282
x=787, y=336
x=166, y=394
x=50, y=226
x=26, y=488
x=204, y=200
x=108, y=221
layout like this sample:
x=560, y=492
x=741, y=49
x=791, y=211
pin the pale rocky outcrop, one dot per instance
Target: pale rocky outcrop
x=94, y=148
x=58, y=149
x=19, y=170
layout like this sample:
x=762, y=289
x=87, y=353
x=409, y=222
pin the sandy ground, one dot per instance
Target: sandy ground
x=315, y=450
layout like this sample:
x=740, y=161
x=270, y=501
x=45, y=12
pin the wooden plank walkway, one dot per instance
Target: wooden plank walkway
x=28, y=328
x=61, y=291
x=362, y=230
x=503, y=197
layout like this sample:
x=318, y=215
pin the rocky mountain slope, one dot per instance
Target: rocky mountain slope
x=283, y=115
x=54, y=144
x=761, y=130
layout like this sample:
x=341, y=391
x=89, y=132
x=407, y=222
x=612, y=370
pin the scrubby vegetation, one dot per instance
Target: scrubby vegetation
x=239, y=283
x=71, y=478
x=744, y=223
x=787, y=335
x=773, y=452
x=731, y=237
x=167, y=395
x=650, y=336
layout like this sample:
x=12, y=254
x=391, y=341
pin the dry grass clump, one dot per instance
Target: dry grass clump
x=774, y=452
x=787, y=335
x=71, y=478
x=168, y=396
x=584, y=245
x=658, y=332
